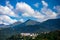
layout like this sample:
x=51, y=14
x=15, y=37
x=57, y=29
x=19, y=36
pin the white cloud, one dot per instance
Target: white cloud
x=57, y=8
x=9, y=5
x=4, y=10
x=26, y=11
x=38, y=15
x=5, y=13
x=36, y=5
x=4, y=19
x=44, y=3
x=22, y=20
x=26, y=14
x=23, y=7
x=49, y=14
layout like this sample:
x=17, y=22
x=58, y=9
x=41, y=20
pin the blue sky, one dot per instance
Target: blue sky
x=21, y=10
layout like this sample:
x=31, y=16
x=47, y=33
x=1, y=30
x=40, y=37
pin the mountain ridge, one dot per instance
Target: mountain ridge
x=38, y=27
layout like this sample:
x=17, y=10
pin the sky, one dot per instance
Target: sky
x=12, y=11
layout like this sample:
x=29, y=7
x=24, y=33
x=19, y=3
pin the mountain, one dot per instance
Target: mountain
x=16, y=23
x=30, y=26
x=52, y=24
x=1, y=24
x=31, y=22
x=17, y=29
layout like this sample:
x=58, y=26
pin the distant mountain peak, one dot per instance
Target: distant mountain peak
x=31, y=22
x=1, y=24
x=16, y=23
x=28, y=19
x=52, y=20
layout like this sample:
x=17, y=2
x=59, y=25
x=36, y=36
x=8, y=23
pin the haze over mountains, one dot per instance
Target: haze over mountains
x=30, y=26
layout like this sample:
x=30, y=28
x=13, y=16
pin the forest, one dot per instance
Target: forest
x=53, y=35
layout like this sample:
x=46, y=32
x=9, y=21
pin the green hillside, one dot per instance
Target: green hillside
x=53, y=35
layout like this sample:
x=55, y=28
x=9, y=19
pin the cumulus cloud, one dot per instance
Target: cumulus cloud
x=48, y=12
x=57, y=8
x=22, y=20
x=23, y=7
x=38, y=15
x=4, y=19
x=9, y=5
x=5, y=13
x=36, y=5
x=44, y=3
x=43, y=15
x=4, y=10
x=28, y=11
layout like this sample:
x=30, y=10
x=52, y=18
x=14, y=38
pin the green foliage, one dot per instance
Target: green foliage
x=54, y=35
